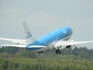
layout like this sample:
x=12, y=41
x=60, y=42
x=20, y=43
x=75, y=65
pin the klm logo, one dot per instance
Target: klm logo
x=64, y=31
x=28, y=35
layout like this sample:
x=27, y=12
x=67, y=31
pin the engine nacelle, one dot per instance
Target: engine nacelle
x=69, y=46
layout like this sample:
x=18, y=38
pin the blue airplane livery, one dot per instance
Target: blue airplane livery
x=28, y=35
x=57, y=39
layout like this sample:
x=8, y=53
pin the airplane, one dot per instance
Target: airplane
x=57, y=39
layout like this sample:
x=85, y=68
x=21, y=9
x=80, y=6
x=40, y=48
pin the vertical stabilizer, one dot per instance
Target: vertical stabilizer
x=29, y=37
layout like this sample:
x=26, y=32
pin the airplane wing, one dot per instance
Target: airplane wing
x=17, y=41
x=11, y=45
x=42, y=48
x=66, y=43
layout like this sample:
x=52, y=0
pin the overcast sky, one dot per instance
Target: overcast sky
x=43, y=16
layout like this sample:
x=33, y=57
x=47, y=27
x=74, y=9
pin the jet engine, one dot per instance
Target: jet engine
x=68, y=46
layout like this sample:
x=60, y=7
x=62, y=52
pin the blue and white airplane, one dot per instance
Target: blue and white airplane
x=57, y=39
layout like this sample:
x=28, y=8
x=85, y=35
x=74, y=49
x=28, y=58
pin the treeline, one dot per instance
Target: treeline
x=44, y=64
x=66, y=53
x=69, y=59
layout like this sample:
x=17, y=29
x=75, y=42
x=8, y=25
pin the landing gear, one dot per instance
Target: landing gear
x=58, y=51
x=40, y=52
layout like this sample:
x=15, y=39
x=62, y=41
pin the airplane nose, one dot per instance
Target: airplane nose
x=68, y=30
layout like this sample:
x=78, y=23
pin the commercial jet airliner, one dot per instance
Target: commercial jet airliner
x=56, y=39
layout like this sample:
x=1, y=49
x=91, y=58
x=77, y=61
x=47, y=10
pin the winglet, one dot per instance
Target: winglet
x=28, y=35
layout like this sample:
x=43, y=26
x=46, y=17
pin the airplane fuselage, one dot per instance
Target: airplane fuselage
x=61, y=33
x=57, y=39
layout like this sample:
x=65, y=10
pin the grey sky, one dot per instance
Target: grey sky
x=43, y=16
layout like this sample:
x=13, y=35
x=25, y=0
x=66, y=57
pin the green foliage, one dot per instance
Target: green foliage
x=70, y=59
x=44, y=64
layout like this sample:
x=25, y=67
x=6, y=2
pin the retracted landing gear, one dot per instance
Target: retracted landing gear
x=40, y=52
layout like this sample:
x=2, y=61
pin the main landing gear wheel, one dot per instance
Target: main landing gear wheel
x=58, y=51
x=40, y=52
